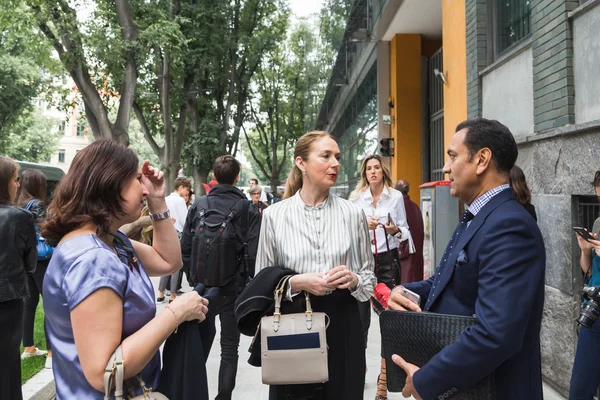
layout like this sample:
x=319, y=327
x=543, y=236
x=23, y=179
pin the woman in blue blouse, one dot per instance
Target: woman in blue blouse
x=97, y=291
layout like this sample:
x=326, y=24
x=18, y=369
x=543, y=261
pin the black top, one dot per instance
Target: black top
x=18, y=253
x=531, y=210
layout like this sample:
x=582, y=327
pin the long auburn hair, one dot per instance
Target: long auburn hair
x=302, y=150
x=363, y=183
x=33, y=186
x=91, y=190
x=519, y=185
x=8, y=168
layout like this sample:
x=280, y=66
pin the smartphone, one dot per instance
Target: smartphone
x=412, y=296
x=583, y=233
x=390, y=219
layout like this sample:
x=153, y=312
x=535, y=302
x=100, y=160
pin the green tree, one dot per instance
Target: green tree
x=285, y=105
x=32, y=137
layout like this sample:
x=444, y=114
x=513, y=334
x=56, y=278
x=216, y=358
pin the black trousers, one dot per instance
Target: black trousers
x=11, y=321
x=30, y=303
x=386, y=273
x=230, y=340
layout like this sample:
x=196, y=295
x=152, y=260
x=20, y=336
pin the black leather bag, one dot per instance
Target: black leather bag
x=417, y=337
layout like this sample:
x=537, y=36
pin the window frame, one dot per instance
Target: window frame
x=493, y=53
x=63, y=153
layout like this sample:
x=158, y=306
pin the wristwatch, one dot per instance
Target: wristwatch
x=160, y=216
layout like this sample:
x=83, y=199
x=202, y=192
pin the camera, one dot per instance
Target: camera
x=591, y=310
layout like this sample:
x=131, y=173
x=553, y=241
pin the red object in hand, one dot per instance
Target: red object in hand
x=382, y=293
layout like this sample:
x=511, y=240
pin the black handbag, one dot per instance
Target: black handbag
x=417, y=337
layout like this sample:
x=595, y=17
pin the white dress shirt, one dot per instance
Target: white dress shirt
x=317, y=239
x=178, y=209
x=390, y=201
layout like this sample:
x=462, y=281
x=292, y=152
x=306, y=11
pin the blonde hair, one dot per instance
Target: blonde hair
x=363, y=183
x=302, y=150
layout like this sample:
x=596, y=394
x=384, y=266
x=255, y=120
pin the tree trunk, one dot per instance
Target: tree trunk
x=200, y=176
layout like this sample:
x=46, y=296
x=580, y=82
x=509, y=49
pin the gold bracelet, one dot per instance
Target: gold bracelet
x=174, y=316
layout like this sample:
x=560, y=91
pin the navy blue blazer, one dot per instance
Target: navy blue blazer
x=496, y=272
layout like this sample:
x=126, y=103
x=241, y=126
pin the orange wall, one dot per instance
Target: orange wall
x=455, y=64
x=405, y=85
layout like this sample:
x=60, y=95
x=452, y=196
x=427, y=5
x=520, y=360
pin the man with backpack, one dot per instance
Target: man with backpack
x=219, y=244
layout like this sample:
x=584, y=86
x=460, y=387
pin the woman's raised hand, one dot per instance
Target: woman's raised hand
x=154, y=180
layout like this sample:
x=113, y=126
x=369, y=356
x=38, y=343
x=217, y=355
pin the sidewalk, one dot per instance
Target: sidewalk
x=249, y=386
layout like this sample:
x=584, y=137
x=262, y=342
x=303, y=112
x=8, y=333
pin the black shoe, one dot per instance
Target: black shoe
x=180, y=292
x=160, y=299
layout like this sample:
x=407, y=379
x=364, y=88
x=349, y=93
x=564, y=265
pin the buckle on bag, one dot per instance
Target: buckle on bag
x=309, y=320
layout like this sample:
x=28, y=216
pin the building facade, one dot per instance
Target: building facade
x=412, y=70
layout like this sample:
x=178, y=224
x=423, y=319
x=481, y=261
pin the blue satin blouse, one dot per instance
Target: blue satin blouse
x=79, y=267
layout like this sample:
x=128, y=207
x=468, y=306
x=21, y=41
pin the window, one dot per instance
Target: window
x=80, y=128
x=61, y=128
x=511, y=23
x=61, y=155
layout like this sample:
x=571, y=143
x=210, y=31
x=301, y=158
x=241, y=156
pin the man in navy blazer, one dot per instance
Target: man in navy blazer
x=493, y=268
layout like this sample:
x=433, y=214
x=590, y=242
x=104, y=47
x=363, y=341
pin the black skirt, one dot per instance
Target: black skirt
x=346, y=354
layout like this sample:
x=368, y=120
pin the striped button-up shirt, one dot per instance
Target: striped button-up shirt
x=317, y=239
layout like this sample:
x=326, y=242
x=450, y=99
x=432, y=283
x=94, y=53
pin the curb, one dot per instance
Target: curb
x=40, y=386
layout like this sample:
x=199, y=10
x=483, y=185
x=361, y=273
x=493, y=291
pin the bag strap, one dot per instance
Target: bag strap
x=30, y=204
x=114, y=374
x=279, y=290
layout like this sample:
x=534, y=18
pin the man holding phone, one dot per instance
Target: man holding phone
x=493, y=267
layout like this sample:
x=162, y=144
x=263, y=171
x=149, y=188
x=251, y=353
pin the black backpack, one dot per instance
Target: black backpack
x=217, y=252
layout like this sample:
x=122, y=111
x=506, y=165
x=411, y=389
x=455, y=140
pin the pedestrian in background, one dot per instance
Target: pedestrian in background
x=518, y=184
x=18, y=258
x=255, y=193
x=32, y=195
x=325, y=240
x=176, y=205
x=97, y=290
x=585, y=377
x=412, y=263
x=388, y=227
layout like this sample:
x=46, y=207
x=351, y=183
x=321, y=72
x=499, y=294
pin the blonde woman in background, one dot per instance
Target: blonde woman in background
x=386, y=216
x=324, y=239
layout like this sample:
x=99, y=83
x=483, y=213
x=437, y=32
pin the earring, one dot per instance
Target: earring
x=304, y=172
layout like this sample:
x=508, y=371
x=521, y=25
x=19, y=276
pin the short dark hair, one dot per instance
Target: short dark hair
x=254, y=180
x=8, y=168
x=596, y=181
x=33, y=186
x=482, y=133
x=185, y=182
x=226, y=169
x=91, y=190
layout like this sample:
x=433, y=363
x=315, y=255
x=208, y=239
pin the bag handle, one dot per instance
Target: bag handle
x=114, y=374
x=281, y=287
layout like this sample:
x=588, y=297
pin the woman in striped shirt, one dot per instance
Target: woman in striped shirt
x=325, y=240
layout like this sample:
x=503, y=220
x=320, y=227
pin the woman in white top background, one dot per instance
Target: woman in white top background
x=375, y=195
x=325, y=240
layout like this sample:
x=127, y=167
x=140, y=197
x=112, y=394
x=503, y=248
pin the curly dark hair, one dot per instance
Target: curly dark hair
x=91, y=190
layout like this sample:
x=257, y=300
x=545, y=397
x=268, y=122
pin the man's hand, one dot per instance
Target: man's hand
x=397, y=301
x=410, y=369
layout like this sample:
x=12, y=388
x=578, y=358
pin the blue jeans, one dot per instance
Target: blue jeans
x=586, y=374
